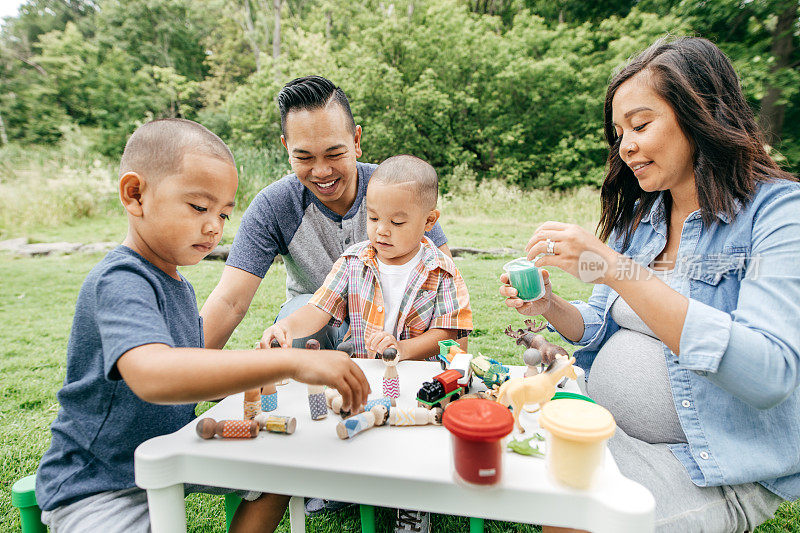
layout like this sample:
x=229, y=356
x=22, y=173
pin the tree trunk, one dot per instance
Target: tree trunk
x=276, y=37
x=3, y=136
x=250, y=30
x=328, y=25
x=772, y=111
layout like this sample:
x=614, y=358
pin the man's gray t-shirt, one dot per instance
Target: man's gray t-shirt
x=124, y=302
x=286, y=218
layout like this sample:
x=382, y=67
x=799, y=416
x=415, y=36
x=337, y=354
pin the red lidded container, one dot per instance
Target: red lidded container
x=477, y=427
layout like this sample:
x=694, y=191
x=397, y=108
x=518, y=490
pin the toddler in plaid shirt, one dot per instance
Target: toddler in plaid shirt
x=397, y=289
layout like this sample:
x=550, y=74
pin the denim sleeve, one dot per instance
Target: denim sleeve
x=754, y=351
x=592, y=313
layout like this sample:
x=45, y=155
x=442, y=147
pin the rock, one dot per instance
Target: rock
x=95, y=247
x=47, y=248
x=13, y=244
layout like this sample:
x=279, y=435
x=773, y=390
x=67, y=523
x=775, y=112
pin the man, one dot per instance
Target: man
x=309, y=217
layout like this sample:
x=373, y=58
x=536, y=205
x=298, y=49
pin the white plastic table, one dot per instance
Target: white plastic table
x=406, y=467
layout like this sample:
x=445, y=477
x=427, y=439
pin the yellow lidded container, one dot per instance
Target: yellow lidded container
x=577, y=432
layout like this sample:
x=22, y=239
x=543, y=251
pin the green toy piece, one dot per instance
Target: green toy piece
x=523, y=447
x=490, y=371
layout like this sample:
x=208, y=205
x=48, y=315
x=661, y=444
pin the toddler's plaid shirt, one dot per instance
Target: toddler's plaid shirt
x=435, y=297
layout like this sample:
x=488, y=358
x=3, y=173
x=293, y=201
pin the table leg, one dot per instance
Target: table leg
x=297, y=514
x=476, y=525
x=367, y=518
x=167, y=509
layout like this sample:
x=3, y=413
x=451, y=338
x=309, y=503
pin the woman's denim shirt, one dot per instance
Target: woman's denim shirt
x=735, y=383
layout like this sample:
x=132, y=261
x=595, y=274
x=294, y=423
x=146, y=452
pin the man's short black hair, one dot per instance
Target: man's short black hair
x=312, y=92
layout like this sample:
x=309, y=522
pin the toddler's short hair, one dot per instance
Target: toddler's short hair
x=156, y=149
x=410, y=170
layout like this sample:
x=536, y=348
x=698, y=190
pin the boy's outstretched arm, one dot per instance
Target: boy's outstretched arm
x=157, y=373
x=305, y=321
x=417, y=348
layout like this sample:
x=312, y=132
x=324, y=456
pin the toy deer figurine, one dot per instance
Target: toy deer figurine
x=391, y=380
x=350, y=427
x=316, y=393
x=538, y=349
x=537, y=389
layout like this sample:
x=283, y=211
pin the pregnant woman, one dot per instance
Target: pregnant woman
x=691, y=337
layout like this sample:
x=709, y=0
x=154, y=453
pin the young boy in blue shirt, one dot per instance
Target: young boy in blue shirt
x=135, y=358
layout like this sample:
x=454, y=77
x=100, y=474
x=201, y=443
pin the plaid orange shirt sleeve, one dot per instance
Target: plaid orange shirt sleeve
x=452, y=308
x=331, y=297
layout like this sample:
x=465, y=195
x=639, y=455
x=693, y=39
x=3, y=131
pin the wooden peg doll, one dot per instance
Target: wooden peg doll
x=316, y=393
x=228, y=429
x=252, y=403
x=277, y=423
x=350, y=427
x=346, y=347
x=269, y=398
x=415, y=416
x=532, y=358
x=391, y=380
x=335, y=403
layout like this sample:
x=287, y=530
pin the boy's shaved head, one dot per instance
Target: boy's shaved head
x=156, y=149
x=411, y=170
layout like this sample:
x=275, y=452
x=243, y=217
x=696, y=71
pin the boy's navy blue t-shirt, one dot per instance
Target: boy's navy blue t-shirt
x=124, y=302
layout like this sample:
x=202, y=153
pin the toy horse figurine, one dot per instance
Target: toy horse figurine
x=539, y=350
x=538, y=389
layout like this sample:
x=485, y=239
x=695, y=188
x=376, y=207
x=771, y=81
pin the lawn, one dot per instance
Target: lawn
x=37, y=299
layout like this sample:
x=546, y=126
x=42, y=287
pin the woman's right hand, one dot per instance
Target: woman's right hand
x=534, y=308
x=278, y=332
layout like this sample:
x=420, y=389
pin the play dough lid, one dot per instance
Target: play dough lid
x=520, y=263
x=579, y=420
x=478, y=419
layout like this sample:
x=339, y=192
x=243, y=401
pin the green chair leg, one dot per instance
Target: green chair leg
x=232, y=502
x=476, y=525
x=23, y=496
x=367, y=518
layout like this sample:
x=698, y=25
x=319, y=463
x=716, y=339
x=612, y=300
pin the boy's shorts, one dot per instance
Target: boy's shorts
x=118, y=510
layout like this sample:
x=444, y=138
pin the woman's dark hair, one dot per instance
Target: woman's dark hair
x=698, y=82
x=312, y=92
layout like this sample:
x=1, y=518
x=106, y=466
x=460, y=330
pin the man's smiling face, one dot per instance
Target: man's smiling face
x=323, y=151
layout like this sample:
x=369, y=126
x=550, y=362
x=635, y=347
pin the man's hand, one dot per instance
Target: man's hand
x=334, y=369
x=381, y=340
x=276, y=332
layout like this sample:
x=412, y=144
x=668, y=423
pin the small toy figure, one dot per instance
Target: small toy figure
x=536, y=389
x=350, y=427
x=334, y=400
x=491, y=372
x=524, y=446
x=277, y=423
x=316, y=393
x=346, y=347
x=391, y=380
x=530, y=338
x=269, y=398
x=227, y=429
x=441, y=390
x=252, y=403
x=532, y=358
x=415, y=416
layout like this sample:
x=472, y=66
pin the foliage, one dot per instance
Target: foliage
x=509, y=89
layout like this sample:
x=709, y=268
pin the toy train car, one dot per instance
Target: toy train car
x=441, y=390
